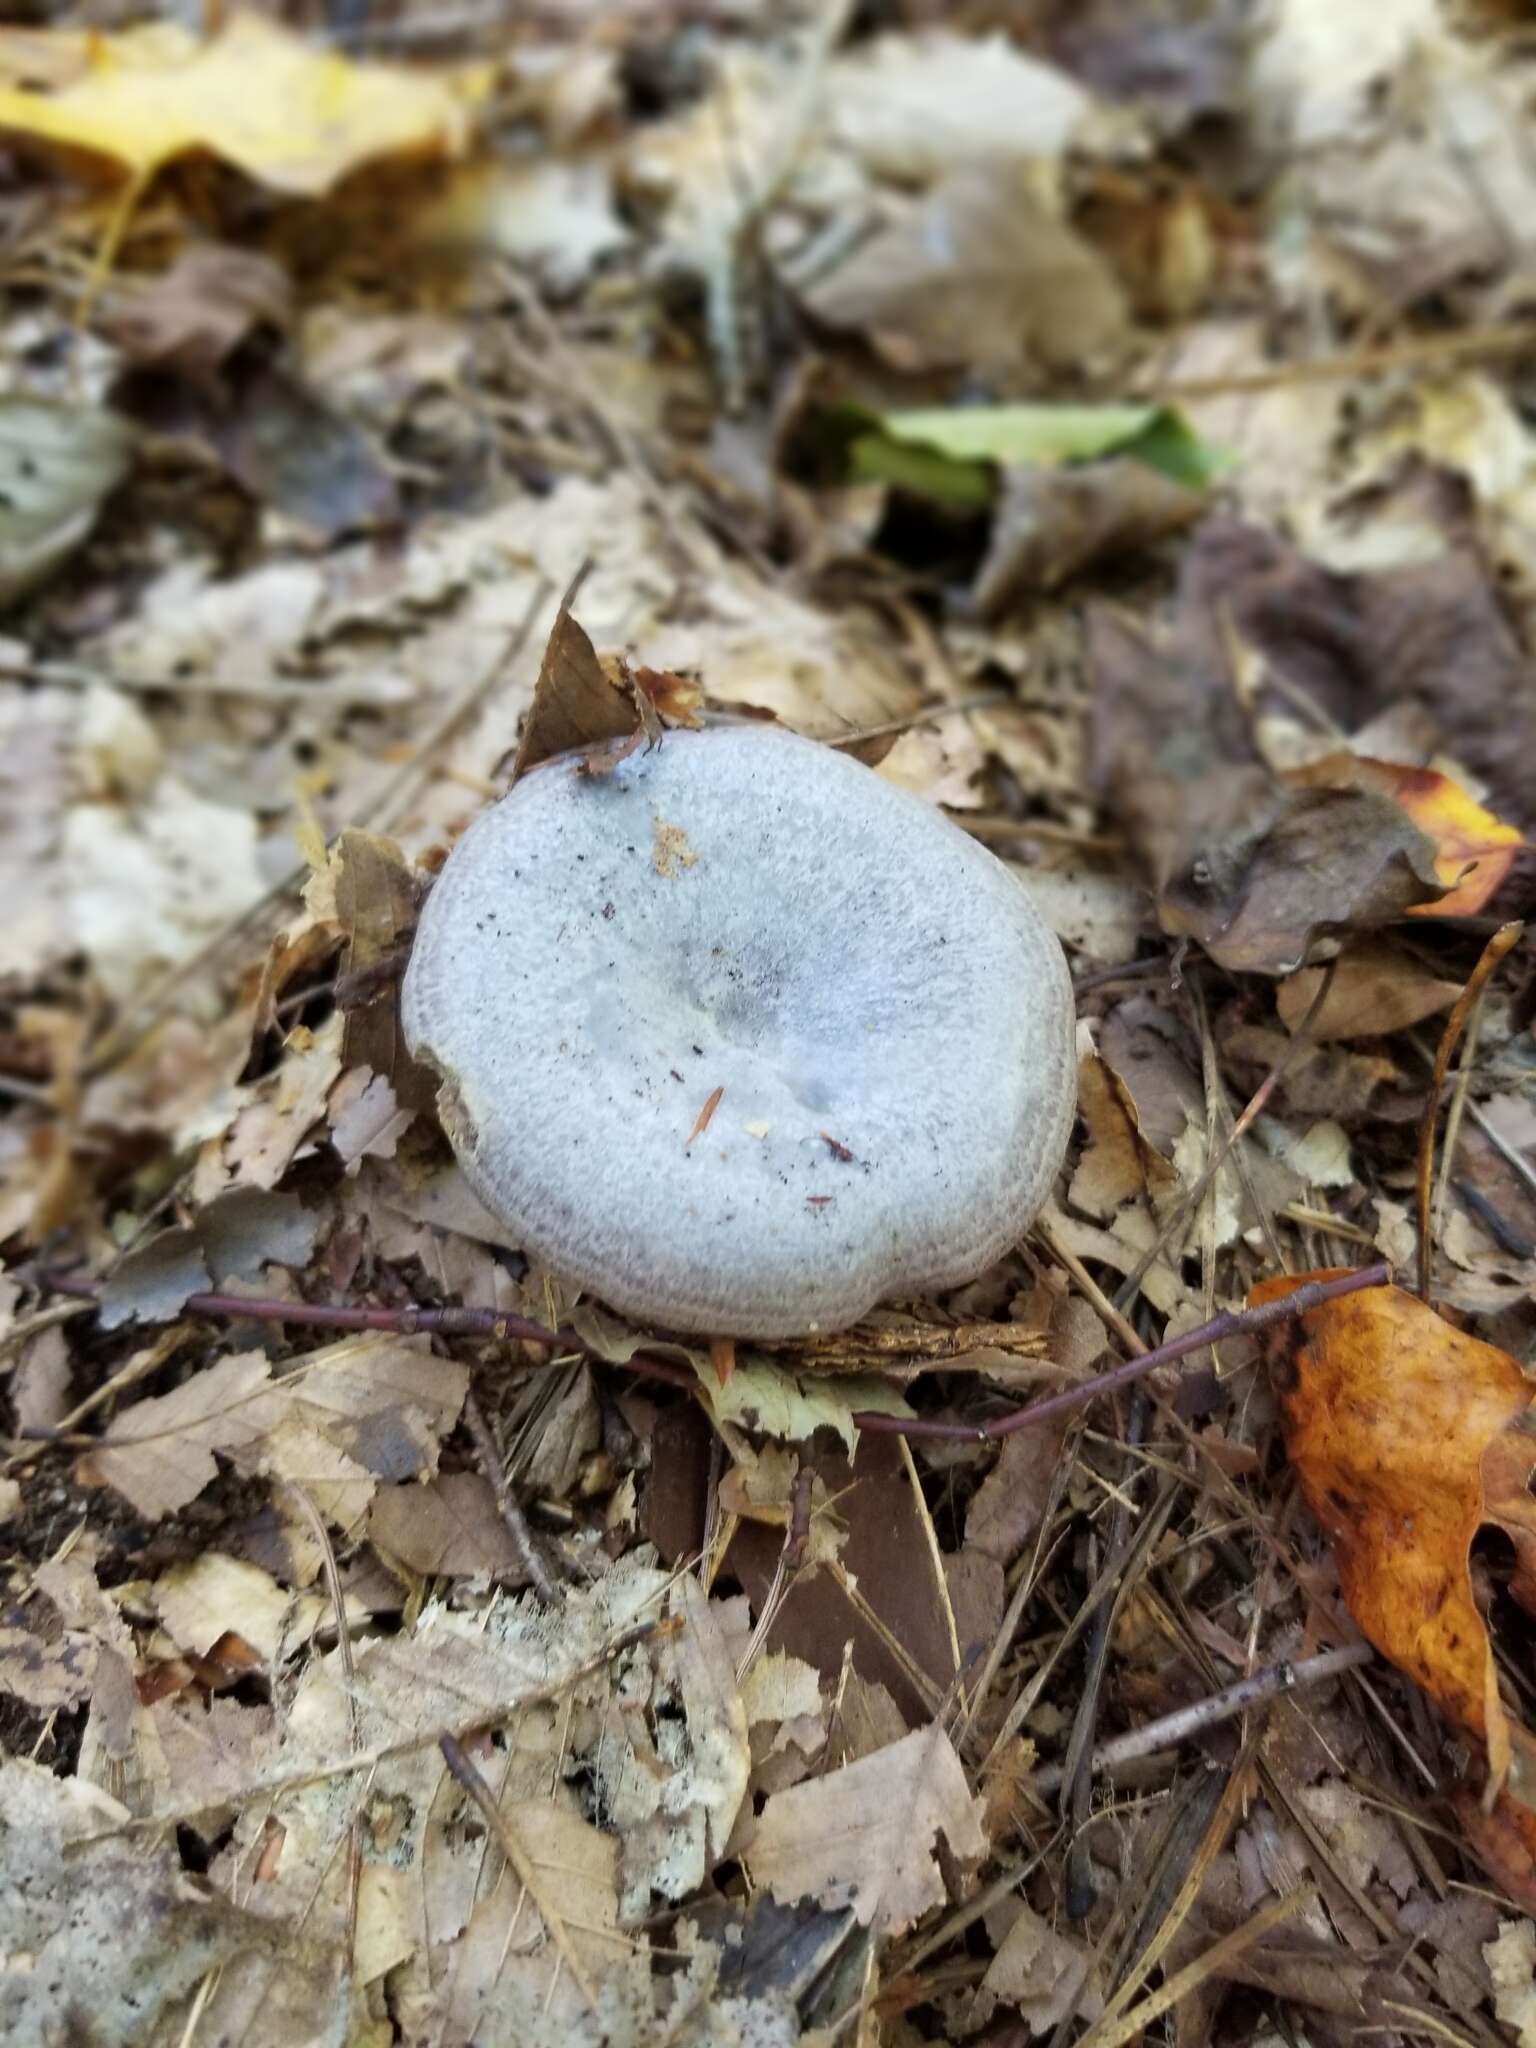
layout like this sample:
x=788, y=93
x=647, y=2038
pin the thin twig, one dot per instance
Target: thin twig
x=1113, y=1583
x=21, y=1333
x=512, y=1518
x=1172, y=1729
x=1133, y=2024
x=1081, y=1892
x=517, y=1856
x=497, y=1325
x=984, y=700
x=1460, y=1094
x=1514, y=339
x=501, y=1324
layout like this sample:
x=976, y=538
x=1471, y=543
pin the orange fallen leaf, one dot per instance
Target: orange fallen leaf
x=1474, y=850
x=675, y=698
x=1407, y=1436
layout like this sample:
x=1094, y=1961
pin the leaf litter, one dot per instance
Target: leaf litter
x=1114, y=430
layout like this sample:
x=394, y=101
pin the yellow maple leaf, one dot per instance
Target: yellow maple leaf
x=294, y=118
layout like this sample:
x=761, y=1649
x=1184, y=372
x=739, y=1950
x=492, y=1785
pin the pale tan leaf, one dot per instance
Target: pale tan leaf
x=1042, y=1973
x=47, y=1675
x=372, y=1406
x=717, y=1720
x=159, y=1452
x=867, y=1835
x=216, y=1595
x=779, y=1686
x=387, y=1925
x=449, y=1526
x=1511, y=1960
x=287, y=1105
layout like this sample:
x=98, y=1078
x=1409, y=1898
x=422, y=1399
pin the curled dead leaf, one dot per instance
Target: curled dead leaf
x=1474, y=850
x=1408, y=1435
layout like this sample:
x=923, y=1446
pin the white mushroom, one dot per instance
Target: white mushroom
x=740, y=1037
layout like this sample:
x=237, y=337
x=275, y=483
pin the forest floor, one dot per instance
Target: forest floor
x=1115, y=425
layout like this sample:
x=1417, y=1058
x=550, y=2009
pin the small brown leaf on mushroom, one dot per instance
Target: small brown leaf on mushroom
x=675, y=698
x=835, y=1146
x=704, y=1116
x=575, y=702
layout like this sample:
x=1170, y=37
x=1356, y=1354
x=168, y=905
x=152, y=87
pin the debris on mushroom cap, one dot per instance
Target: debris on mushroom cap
x=741, y=1037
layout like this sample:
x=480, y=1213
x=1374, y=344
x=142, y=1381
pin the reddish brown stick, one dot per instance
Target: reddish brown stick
x=497, y=1323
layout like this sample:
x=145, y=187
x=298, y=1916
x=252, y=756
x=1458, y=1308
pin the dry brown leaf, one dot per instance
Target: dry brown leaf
x=215, y=1595
x=114, y=1919
x=1050, y=523
x=283, y=1108
x=1118, y=1165
x=376, y=896
x=451, y=1525
x=1255, y=866
x=1042, y=1973
x=150, y=879
x=891, y=1555
x=867, y=1835
x=1474, y=850
x=1375, y=990
x=977, y=273
x=1321, y=1081
x=1006, y=1508
x=47, y=1673
x=197, y=312
x=366, y=1408
x=576, y=703
x=677, y=701
x=913, y=107
x=780, y=1688
x=236, y=1237
x=1432, y=635
x=366, y=1121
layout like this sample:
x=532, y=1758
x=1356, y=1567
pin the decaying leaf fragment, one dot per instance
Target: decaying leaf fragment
x=367, y=1408
x=1408, y=1435
x=376, y=897
x=866, y=1836
x=235, y=1238
x=198, y=311
x=1251, y=869
x=107, y=1938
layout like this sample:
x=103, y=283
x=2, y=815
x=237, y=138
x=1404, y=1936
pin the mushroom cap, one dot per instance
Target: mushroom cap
x=882, y=1019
